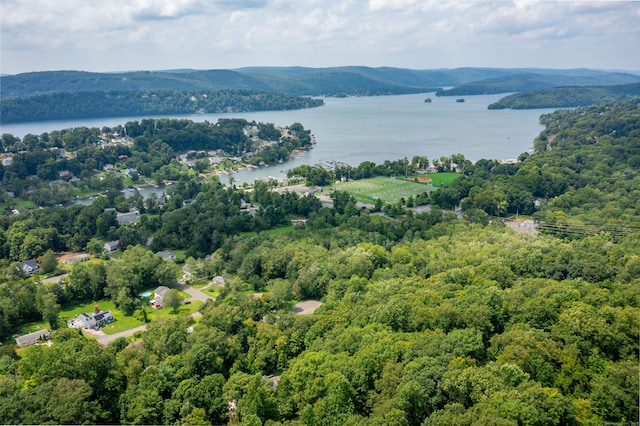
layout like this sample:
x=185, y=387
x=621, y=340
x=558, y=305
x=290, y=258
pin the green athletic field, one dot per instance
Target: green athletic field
x=387, y=189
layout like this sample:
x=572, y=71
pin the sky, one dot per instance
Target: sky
x=124, y=35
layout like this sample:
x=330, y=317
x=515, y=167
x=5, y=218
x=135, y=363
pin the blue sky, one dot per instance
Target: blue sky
x=120, y=35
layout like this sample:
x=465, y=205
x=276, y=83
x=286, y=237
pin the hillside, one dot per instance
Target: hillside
x=60, y=106
x=527, y=82
x=337, y=81
x=567, y=97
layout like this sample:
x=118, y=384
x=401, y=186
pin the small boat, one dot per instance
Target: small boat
x=460, y=100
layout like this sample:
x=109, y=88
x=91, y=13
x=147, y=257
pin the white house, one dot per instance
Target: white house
x=111, y=246
x=92, y=321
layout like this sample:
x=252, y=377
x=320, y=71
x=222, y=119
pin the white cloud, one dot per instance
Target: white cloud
x=155, y=34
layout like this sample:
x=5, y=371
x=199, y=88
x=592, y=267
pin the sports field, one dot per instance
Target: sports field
x=387, y=189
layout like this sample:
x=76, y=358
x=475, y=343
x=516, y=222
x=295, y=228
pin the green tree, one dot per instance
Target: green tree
x=50, y=309
x=49, y=262
x=173, y=299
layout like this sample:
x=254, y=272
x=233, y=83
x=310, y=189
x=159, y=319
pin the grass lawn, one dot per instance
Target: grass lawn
x=279, y=231
x=387, y=189
x=439, y=179
x=85, y=192
x=275, y=231
x=17, y=203
x=152, y=314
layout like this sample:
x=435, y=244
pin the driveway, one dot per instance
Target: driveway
x=105, y=339
x=193, y=292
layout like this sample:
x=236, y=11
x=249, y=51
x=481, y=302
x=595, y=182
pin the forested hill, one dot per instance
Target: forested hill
x=567, y=97
x=337, y=81
x=527, y=82
x=61, y=106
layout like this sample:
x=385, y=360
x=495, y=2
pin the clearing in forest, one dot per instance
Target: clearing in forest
x=389, y=190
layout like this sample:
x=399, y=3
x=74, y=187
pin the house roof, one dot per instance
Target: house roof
x=102, y=315
x=161, y=291
x=30, y=263
x=26, y=338
x=112, y=244
x=166, y=254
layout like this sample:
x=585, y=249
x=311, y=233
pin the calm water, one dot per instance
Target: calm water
x=353, y=130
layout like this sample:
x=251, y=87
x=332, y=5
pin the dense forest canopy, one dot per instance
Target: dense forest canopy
x=427, y=319
x=568, y=97
x=63, y=105
x=528, y=82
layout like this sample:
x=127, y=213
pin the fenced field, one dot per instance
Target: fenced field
x=389, y=190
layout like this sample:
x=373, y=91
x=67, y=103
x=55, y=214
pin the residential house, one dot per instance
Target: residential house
x=111, y=246
x=30, y=266
x=92, y=321
x=159, y=294
x=33, y=338
x=7, y=159
x=218, y=281
x=127, y=217
x=166, y=255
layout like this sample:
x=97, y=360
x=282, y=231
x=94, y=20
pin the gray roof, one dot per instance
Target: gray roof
x=31, y=263
x=32, y=337
x=161, y=291
x=166, y=255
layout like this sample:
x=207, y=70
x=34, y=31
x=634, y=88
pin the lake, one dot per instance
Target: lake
x=379, y=128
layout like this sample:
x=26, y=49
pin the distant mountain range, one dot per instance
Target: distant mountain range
x=51, y=95
x=338, y=81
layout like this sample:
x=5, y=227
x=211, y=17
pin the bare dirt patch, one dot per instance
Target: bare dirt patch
x=420, y=179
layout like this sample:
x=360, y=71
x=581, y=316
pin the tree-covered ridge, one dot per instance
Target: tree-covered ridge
x=527, y=82
x=568, y=97
x=332, y=81
x=62, y=105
